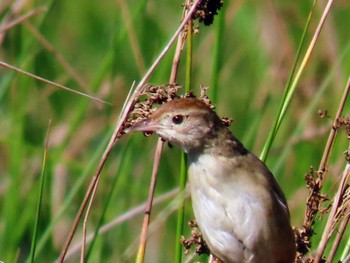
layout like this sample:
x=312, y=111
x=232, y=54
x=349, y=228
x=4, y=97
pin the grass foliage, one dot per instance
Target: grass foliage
x=100, y=48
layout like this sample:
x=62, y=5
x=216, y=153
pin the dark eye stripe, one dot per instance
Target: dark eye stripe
x=177, y=119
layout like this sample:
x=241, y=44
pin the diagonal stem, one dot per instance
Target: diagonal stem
x=118, y=131
x=148, y=210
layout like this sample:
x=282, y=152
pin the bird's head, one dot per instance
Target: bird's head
x=187, y=122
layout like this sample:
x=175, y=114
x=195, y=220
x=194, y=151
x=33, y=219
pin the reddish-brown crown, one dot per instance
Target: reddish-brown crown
x=183, y=104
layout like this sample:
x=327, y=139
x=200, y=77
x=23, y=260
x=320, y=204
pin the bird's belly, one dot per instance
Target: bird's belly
x=231, y=218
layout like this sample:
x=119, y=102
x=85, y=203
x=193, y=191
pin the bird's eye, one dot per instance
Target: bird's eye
x=177, y=119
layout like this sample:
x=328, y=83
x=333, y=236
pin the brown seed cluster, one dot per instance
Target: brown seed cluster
x=323, y=113
x=345, y=123
x=206, y=11
x=313, y=207
x=302, y=240
x=149, y=96
x=161, y=94
x=196, y=240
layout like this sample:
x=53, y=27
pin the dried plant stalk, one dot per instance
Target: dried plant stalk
x=118, y=131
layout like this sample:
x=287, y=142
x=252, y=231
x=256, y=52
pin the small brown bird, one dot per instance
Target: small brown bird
x=239, y=207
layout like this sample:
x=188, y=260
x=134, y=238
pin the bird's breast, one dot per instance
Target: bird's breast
x=230, y=212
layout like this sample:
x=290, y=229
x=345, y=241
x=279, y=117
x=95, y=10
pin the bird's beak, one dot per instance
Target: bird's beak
x=143, y=126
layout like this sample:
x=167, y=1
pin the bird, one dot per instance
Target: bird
x=239, y=207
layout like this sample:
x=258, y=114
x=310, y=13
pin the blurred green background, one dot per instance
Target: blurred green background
x=101, y=48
